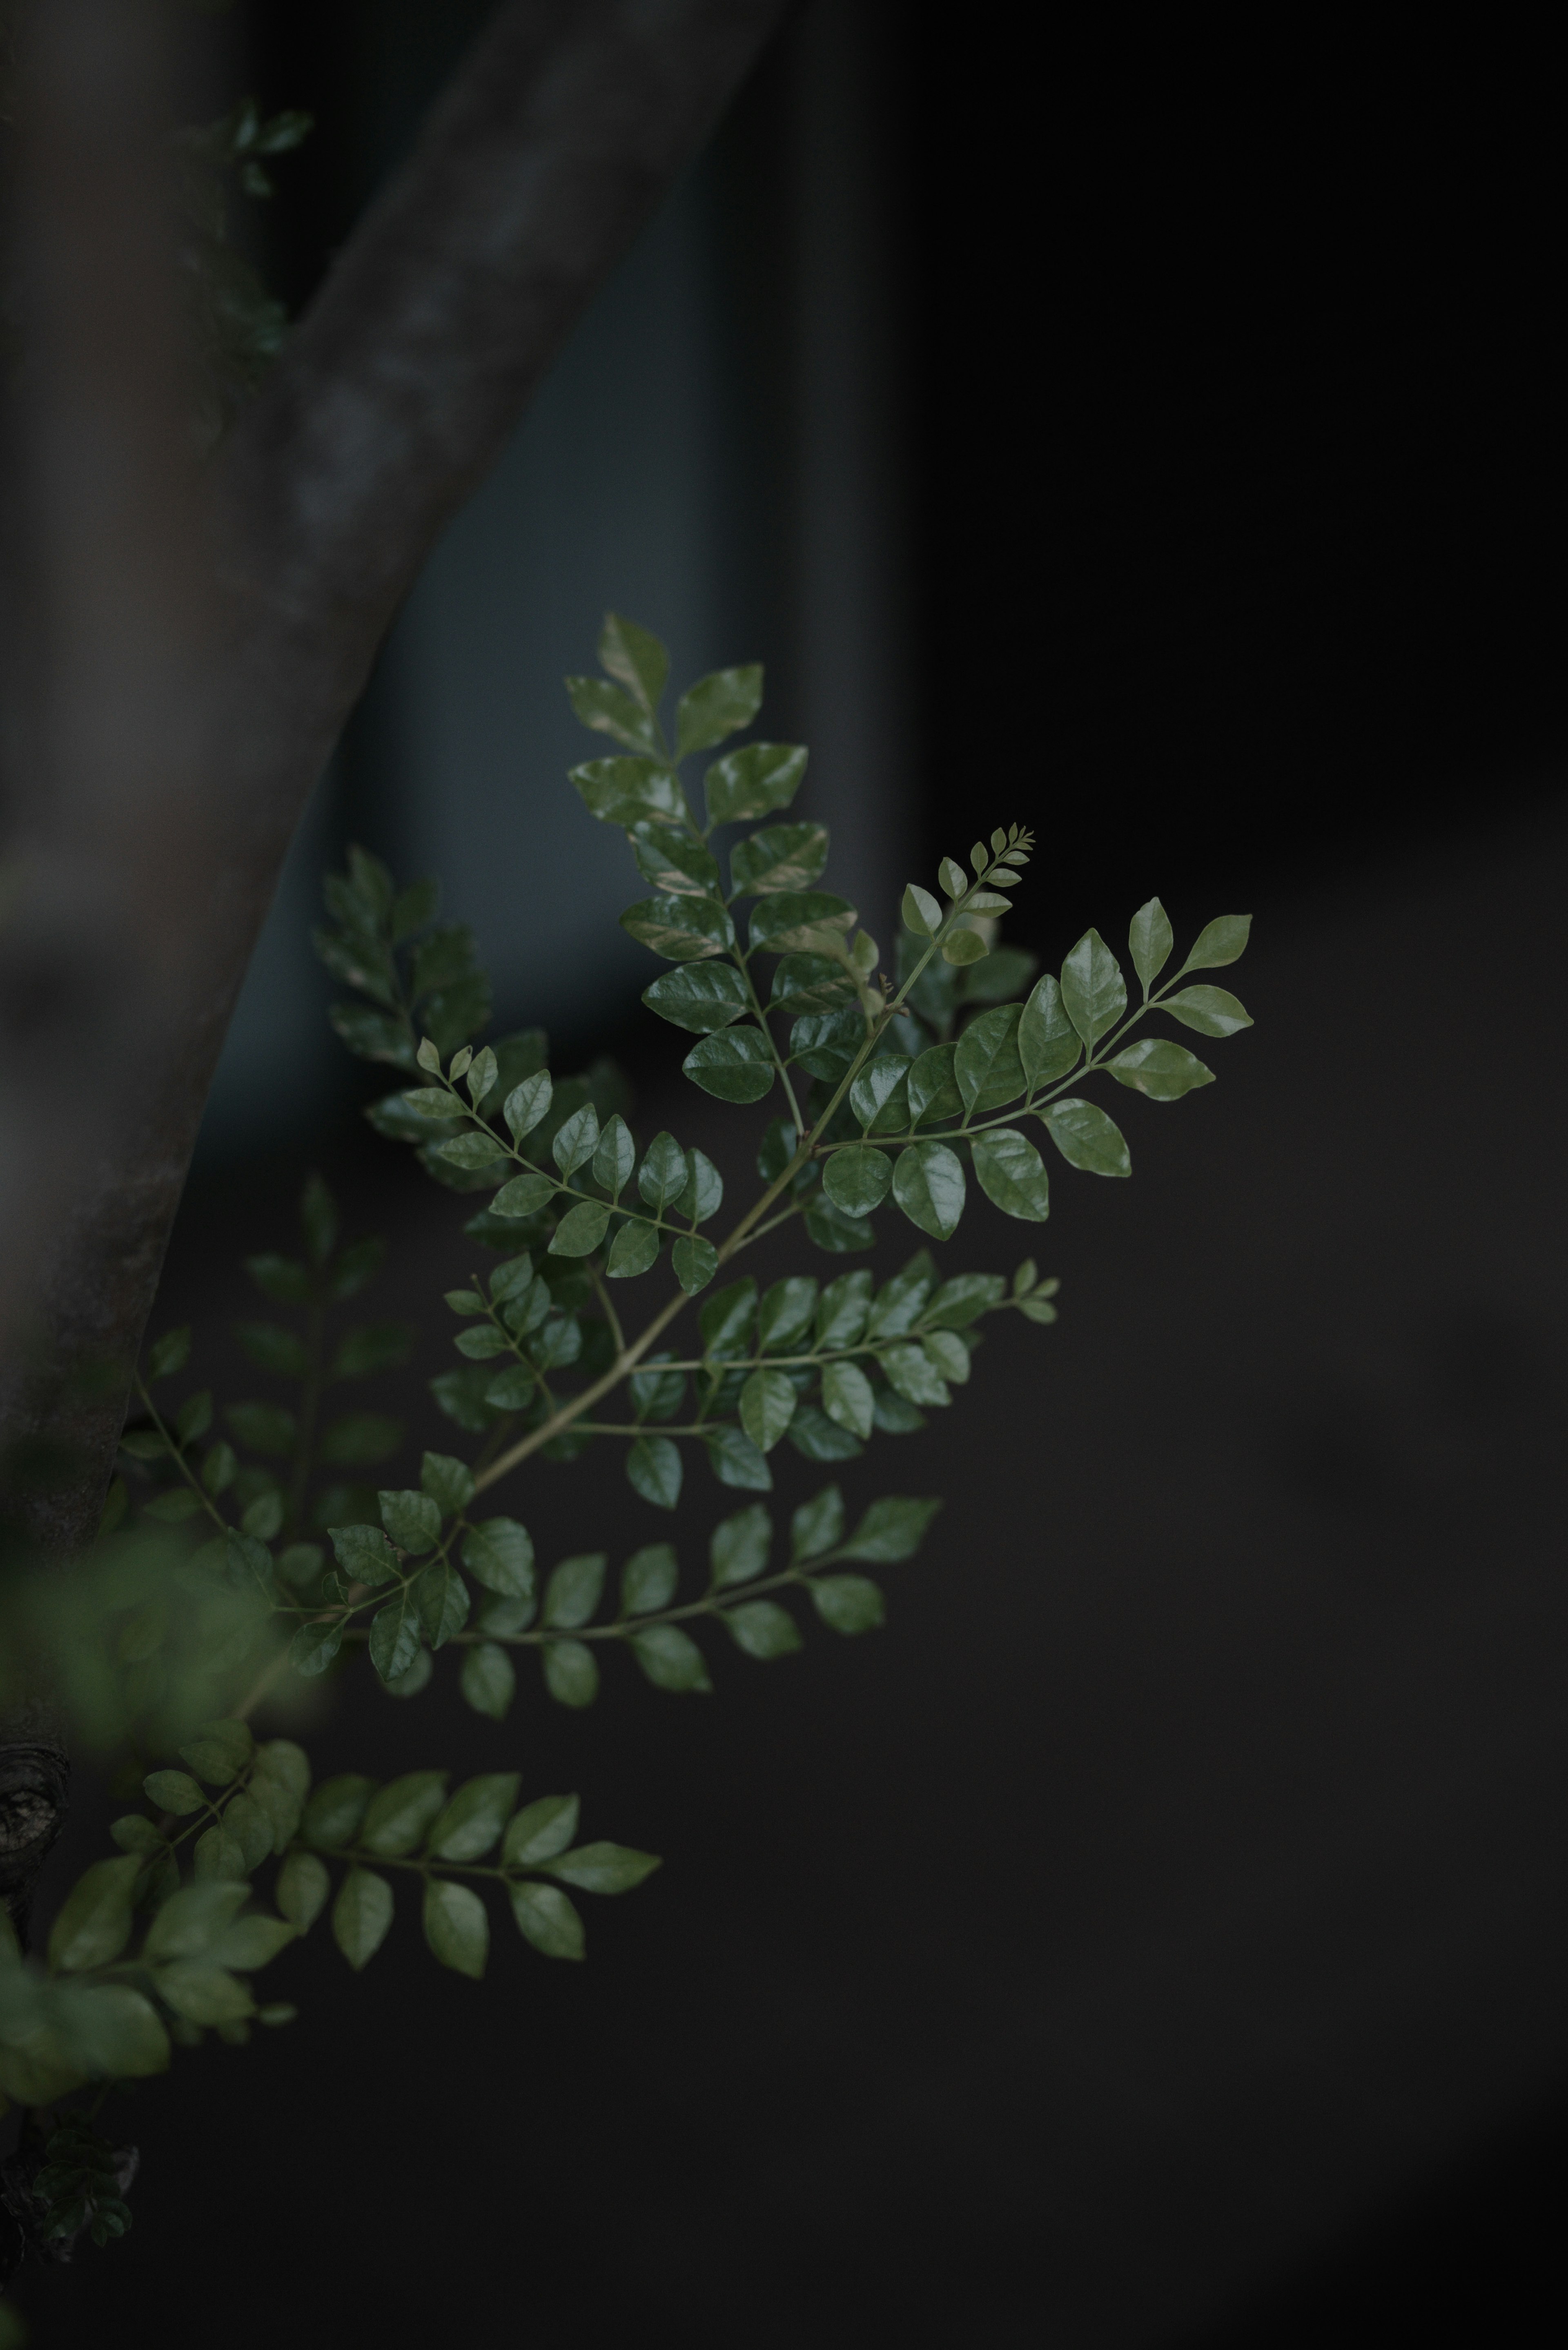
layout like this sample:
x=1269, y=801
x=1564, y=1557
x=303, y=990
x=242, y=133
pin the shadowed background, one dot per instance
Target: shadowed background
x=1156, y=1937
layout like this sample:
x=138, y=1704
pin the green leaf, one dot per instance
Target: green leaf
x=361, y=1915
x=1087, y=1138
x=857, y=1177
x=648, y=1580
x=117, y=2033
x=172, y=1508
x=915, y=1377
x=704, y=1193
x=753, y=781
x=571, y=1675
x=664, y=1174
x=203, y=1993
x=735, y=1065
x=169, y=1354
x=1222, y=940
x=891, y=1529
x=1012, y=1174
x=607, y=709
x=728, y=1319
x=785, y=1311
x=784, y=857
x=442, y=1600
x=848, y=1603
x=717, y=705
x=575, y=1139
x=762, y=1630
x=739, y=1547
x=842, y=1311
x=933, y=1089
x=403, y=1811
x=947, y=1350
x=1002, y=976
x=1159, y=1068
x=525, y=1195
x=456, y=1925
x=359, y=1439
x=1093, y=989
x=636, y=658
x=963, y=1300
x=581, y=1228
x=876, y=1085
x=818, y=1438
x=694, y=1262
x=681, y=930
x=846, y=1398
x=800, y=921
x=629, y=791
x=574, y=1590
x=987, y=1064
x=1150, y=941
x=615, y=1157
x=302, y=1890
x=634, y=1248
x=219, y=1751
x=412, y=1520
x=255, y=1941
x=174, y=1791
x=539, y=1831
x=677, y=865
x=272, y=1348
x=929, y=1185
x=413, y=908
x=1212, y=1011
x=474, y=1819
x=963, y=946
x=735, y=1460
x=336, y=1809
x=283, y=1279
x=313, y=1645
x=1048, y=1044
x=817, y=1526
x=94, y=1921
x=767, y=1406
x=499, y=1553
x=653, y=1466
x=809, y=983
x=363, y=1552
x=672, y=1659
x=704, y=996
x=528, y=1105
x=395, y=1635
x=191, y=1920
x=829, y=1228
x=373, y=1346
x=488, y=1679
x=548, y=1919
x=604, y=1868
x=448, y=1482
x=194, y=1418
x=921, y=913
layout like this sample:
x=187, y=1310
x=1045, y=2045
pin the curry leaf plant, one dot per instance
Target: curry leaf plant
x=247, y=1545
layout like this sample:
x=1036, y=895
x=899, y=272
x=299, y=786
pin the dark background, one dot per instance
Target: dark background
x=1156, y=1937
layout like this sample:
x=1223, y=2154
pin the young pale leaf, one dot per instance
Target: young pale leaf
x=695, y=1262
x=648, y=1580
x=1087, y=1138
x=1048, y=1044
x=630, y=791
x=499, y=1553
x=1012, y=1174
x=664, y=1174
x=738, y=1548
x=933, y=1089
x=1222, y=940
x=952, y=876
x=736, y=1064
x=653, y=1468
x=921, y=913
x=539, y=1831
x=636, y=658
x=735, y=1460
x=754, y=781
x=1150, y=941
x=302, y=1889
x=767, y=1406
x=604, y=1868
x=547, y=1919
x=571, y=1675
x=395, y=1635
x=1093, y=989
x=891, y=1529
x=857, y=1177
x=987, y=1064
x=785, y=1312
x=702, y=996
x=784, y=857
x=1161, y=1070
x=848, y=1603
x=634, y=1248
x=717, y=705
x=929, y=1185
x=763, y=1630
x=817, y=1526
x=842, y=1310
x=1212, y=1011
x=361, y=1915
x=581, y=1228
x=615, y=1157
x=488, y=1679
x=412, y=1520
x=400, y=1814
x=846, y=1398
x=672, y=1659
x=963, y=946
x=475, y=1816
x=574, y=1590
x=674, y=862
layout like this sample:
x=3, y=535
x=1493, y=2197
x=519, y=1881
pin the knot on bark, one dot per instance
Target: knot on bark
x=33, y=1794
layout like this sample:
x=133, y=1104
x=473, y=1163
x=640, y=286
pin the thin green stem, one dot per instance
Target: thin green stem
x=177, y=1453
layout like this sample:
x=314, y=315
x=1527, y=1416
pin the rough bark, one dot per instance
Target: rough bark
x=194, y=643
